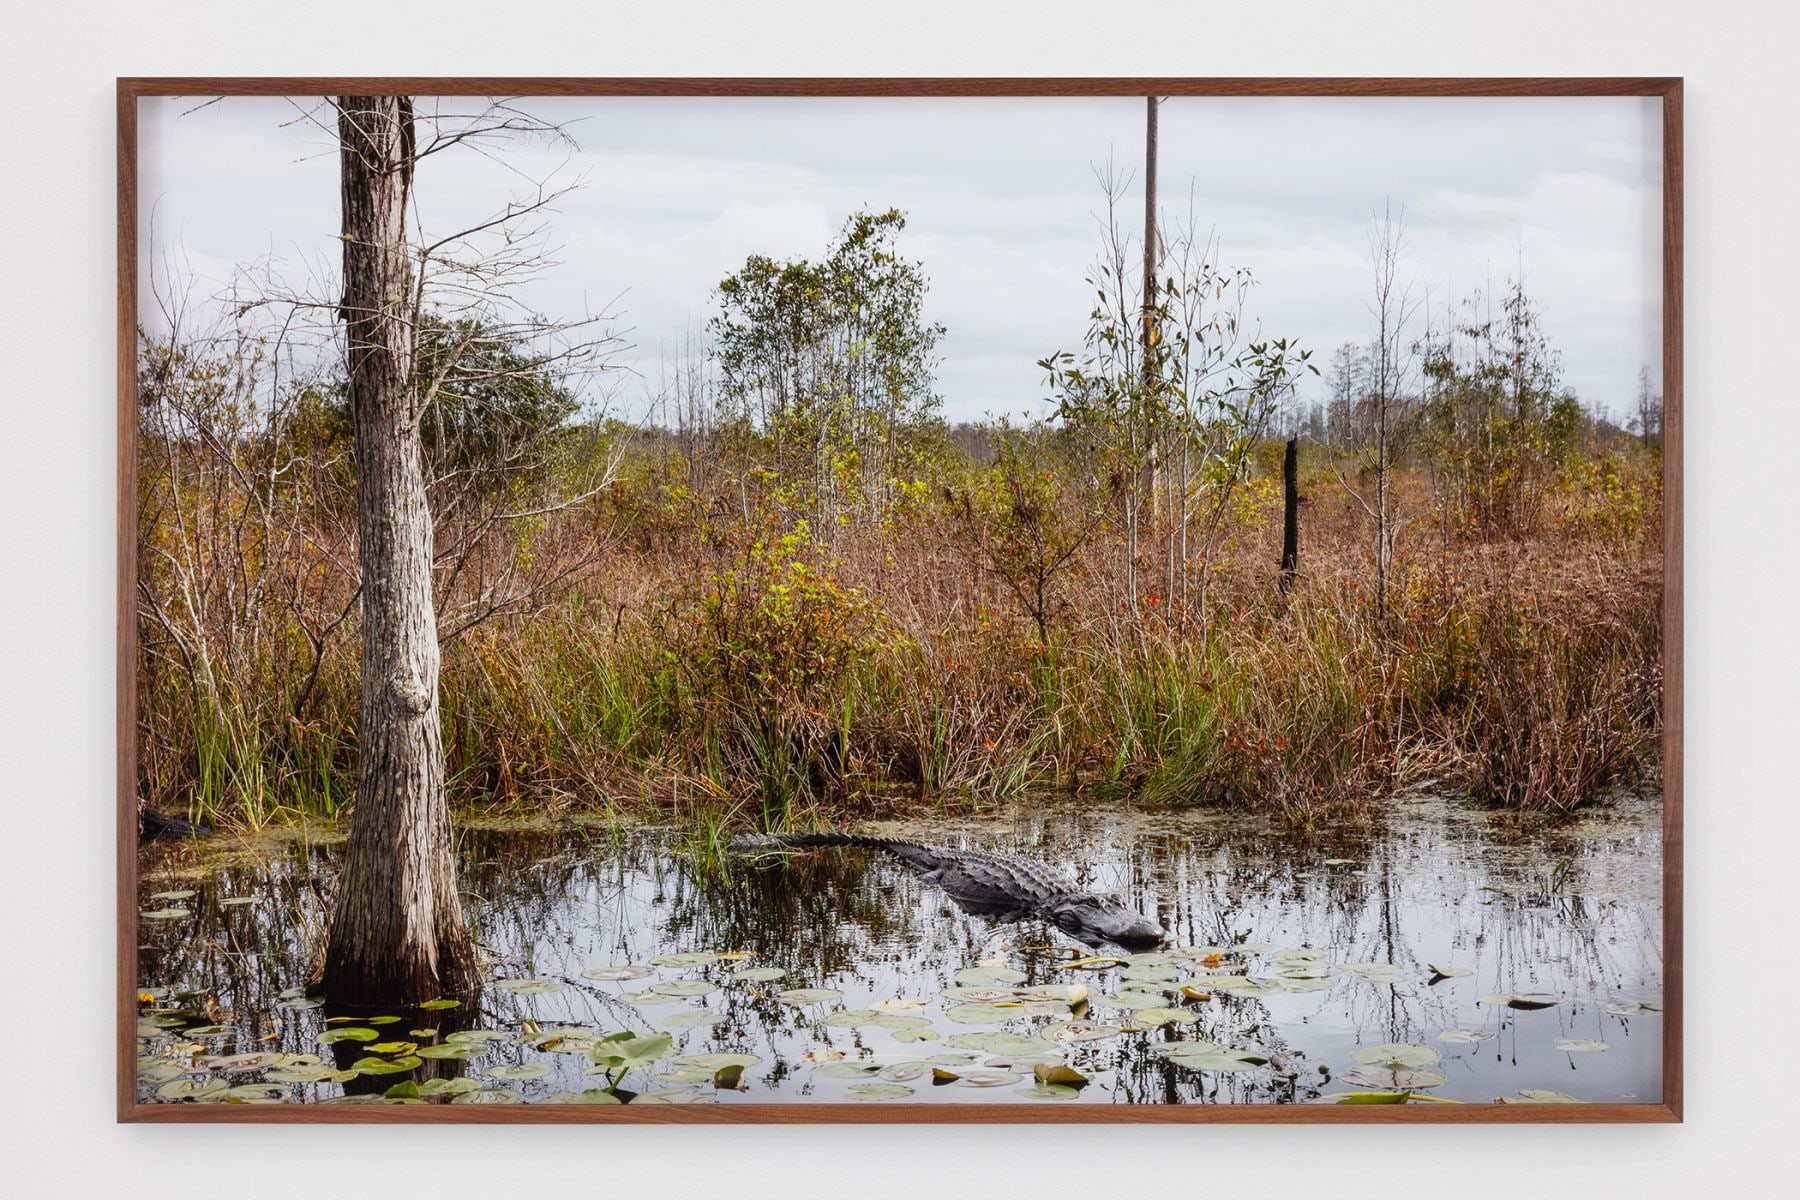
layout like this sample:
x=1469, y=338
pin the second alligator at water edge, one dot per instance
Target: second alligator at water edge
x=993, y=885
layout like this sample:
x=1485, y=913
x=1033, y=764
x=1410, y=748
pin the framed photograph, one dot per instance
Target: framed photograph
x=900, y=600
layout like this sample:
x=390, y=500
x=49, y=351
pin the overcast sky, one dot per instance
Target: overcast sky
x=1002, y=207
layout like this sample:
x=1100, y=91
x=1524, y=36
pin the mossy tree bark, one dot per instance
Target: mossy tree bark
x=397, y=929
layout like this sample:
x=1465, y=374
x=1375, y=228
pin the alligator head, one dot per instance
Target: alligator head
x=1090, y=917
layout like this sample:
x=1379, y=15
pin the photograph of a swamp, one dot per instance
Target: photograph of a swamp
x=1102, y=601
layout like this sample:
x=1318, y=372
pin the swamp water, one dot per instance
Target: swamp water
x=1432, y=952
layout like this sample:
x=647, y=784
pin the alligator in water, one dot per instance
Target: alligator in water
x=152, y=825
x=996, y=885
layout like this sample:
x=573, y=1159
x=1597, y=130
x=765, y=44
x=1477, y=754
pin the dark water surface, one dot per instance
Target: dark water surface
x=1305, y=949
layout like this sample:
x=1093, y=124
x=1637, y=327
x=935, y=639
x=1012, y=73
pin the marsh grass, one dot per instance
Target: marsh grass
x=753, y=672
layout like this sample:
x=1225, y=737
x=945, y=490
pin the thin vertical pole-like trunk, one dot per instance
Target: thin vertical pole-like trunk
x=1290, y=514
x=397, y=929
x=1153, y=425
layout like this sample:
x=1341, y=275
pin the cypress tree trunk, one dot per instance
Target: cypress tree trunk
x=397, y=929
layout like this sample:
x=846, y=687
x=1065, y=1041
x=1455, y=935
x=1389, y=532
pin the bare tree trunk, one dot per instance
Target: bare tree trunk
x=397, y=928
x=1153, y=428
x=1290, y=514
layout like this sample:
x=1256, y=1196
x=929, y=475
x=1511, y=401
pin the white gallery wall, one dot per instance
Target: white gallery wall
x=57, y=456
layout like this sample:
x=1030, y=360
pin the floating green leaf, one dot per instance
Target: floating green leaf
x=980, y=1014
x=690, y=1019
x=808, y=995
x=1151, y=1018
x=183, y=894
x=434, y=1005
x=535, y=1070
x=878, y=1091
x=529, y=987
x=846, y=1070
x=488, y=1096
x=1394, y=1055
x=758, y=974
x=588, y=1096
x=347, y=1033
x=692, y=958
x=718, y=1062
x=383, y=1066
x=616, y=974
x=1580, y=1045
x=992, y=1043
x=1525, y=1001
x=1462, y=1037
x=1047, y=1091
x=193, y=1089
x=1402, y=1078
x=165, y=914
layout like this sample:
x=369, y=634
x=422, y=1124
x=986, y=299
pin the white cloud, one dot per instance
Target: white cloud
x=1001, y=199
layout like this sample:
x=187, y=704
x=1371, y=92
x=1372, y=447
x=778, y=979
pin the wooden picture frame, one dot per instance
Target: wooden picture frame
x=1667, y=90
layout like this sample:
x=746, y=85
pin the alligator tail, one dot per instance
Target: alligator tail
x=750, y=843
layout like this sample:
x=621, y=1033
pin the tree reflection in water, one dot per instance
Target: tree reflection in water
x=1572, y=911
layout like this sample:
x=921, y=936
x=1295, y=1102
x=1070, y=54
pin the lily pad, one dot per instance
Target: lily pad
x=1448, y=972
x=691, y=958
x=1463, y=1037
x=488, y=1096
x=383, y=1066
x=691, y=1018
x=616, y=974
x=1397, y=1078
x=717, y=1062
x=992, y=1043
x=850, y=1018
x=847, y=1069
x=1058, y=1073
x=451, y=1050
x=536, y=1070
x=1634, y=1008
x=878, y=1091
x=1133, y=1001
x=759, y=974
x=347, y=1033
x=257, y=1093
x=1150, y=973
x=183, y=894
x=688, y=1075
x=587, y=1096
x=1395, y=1055
x=165, y=914
x=980, y=1014
x=979, y=995
x=916, y=1035
x=808, y=995
x=1080, y=1031
x=1538, y=1096
x=435, y=1005
x=904, y=1072
x=1151, y=1018
x=478, y=1035
x=234, y=901
x=685, y=987
x=1047, y=1091
x=201, y=1090
x=1580, y=1045
x=984, y=1078
x=530, y=987
x=1524, y=1001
